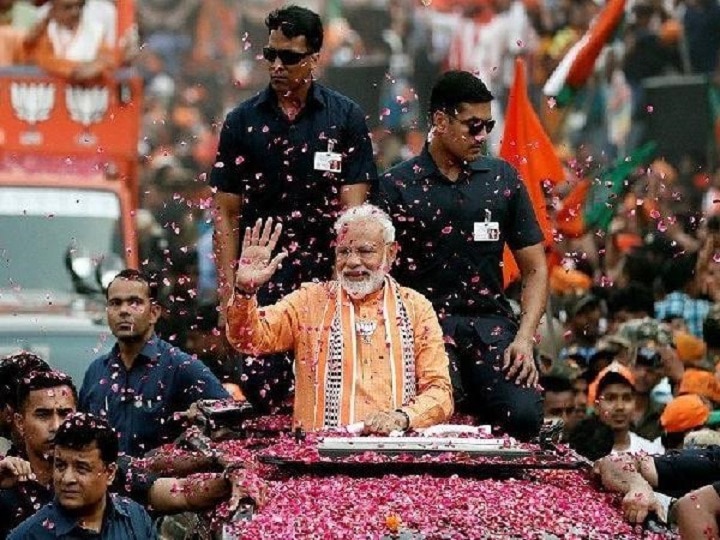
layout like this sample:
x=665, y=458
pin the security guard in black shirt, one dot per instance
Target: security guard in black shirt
x=299, y=153
x=455, y=210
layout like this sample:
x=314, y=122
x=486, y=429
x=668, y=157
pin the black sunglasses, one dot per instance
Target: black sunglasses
x=476, y=127
x=287, y=57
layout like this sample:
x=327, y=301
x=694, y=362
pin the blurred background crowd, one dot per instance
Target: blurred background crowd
x=638, y=291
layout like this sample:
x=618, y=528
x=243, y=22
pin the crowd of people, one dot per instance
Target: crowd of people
x=615, y=329
x=93, y=461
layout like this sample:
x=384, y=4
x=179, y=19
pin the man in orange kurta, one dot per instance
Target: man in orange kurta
x=366, y=349
x=67, y=45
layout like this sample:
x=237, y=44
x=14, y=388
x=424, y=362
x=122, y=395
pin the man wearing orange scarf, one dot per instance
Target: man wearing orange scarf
x=366, y=349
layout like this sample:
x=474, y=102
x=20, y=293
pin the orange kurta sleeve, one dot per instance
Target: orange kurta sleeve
x=270, y=329
x=434, y=402
x=11, y=41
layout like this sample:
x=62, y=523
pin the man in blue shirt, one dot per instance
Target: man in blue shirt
x=45, y=399
x=86, y=449
x=679, y=276
x=143, y=380
x=298, y=153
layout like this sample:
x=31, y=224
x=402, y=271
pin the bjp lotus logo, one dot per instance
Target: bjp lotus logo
x=32, y=102
x=87, y=105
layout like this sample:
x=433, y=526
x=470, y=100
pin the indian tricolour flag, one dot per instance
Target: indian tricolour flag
x=578, y=64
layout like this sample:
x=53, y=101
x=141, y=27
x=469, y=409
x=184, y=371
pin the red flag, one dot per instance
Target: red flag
x=527, y=147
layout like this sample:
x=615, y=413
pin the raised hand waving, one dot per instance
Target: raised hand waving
x=257, y=265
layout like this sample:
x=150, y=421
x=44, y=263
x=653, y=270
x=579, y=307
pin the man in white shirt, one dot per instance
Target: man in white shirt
x=67, y=44
x=102, y=13
x=613, y=396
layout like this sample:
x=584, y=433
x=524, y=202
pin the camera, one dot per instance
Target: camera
x=648, y=357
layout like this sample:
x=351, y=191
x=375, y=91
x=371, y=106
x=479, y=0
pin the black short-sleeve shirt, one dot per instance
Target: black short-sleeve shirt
x=685, y=470
x=20, y=502
x=435, y=220
x=269, y=161
x=132, y=481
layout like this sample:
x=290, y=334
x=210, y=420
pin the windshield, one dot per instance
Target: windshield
x=38, y=225
x=70, y=351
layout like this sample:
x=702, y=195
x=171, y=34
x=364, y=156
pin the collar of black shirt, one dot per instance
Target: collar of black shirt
x=147, y=354
x=428, y=167
x=268, y=97
x=15, y=451
x=66, y=522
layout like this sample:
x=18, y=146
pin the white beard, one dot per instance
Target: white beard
x=360, y=289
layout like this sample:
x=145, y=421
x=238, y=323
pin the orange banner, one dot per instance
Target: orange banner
x=526, y=146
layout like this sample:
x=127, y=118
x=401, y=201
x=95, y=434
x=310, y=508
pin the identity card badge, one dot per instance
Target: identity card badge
x=328, y=161
x=486, y=231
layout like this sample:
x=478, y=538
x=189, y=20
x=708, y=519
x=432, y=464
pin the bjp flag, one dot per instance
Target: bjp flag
x=526, y=146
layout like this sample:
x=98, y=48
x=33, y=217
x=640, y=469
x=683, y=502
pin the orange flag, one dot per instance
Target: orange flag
x=570, y=216
x=526, y=146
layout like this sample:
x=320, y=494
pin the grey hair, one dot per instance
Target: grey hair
x=367, y=212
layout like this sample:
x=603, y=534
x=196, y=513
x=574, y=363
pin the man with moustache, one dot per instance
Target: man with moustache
x=613, y=396
x=297, y=152
x=84, y=467
x=456, y=210
x=366, y=349
x=143, y=380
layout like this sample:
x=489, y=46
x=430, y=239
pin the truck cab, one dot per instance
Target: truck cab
x=68, y=193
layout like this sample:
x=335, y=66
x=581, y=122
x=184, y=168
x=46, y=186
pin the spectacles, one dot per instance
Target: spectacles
x=287, y=57
x=363, y=252
x=475, y=127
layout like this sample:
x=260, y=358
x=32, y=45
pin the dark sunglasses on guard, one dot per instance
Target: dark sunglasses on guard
x=288, y=58
x=476, y=127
